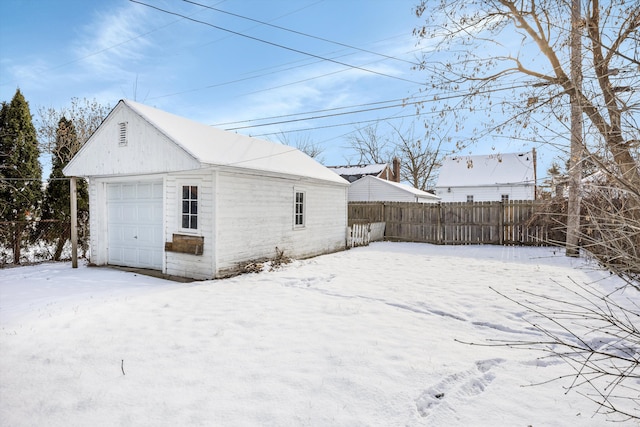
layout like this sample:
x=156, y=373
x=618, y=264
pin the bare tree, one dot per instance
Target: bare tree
x=419, y=157
x=510, y=61
x=371, y=146
x=305, y=144
x=598, y=341
x=86, y=115
x=521, y=88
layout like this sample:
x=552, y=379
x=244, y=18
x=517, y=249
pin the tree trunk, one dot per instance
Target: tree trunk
x=575, y=160
x=17, y=238
x=59, y=247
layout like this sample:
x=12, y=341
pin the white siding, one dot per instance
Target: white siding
x=187, y=265
x=364, y=190
x=147, y=150
x=255, y=215
x=485, y=194
x=373, y=189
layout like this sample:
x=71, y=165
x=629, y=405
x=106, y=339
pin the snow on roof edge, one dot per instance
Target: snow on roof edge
x=232, y=148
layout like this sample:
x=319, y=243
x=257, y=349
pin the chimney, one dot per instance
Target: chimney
x=396, y=169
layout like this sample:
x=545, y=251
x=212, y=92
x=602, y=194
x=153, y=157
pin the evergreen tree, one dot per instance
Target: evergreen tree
x=20, y=172
x=57, y=197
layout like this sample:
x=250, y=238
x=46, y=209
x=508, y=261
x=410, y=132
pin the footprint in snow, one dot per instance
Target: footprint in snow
x=459, y=385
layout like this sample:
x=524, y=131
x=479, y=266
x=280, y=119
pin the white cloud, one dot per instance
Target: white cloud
x=114, y=40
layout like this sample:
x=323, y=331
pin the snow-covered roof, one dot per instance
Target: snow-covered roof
x=404, y=187
x=380, y=189
x=186, y=145
x=374, y=169
x=487, y=170
x=223, y=148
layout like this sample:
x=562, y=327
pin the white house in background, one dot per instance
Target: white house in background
x=486, y=178
x=372, y=189
x=353, y=173
x=170, y=194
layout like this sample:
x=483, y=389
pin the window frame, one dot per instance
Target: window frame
x=191, y=206
x=469, y=198
x=504, y=198
x=299, y=215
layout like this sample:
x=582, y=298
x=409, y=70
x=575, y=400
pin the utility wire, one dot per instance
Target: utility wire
x=299, y=32
x=262, y=75
x=428, y=99
x=319, y=117
x=308, y=112
x=272, y=43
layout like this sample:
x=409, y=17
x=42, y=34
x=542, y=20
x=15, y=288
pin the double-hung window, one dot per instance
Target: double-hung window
x=299, y=209
x=190, y=207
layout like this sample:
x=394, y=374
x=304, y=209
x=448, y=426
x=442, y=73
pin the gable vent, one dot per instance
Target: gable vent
x=122, y=141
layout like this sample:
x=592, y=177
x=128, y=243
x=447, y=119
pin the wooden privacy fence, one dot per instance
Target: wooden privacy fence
x=496, y=223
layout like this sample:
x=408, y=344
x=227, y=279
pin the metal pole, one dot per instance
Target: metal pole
x=74, y=223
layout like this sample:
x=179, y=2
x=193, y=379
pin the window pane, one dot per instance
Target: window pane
x=185, y=191
x=194, y=192
x=194, y=207
x=185, y=221
x=185, y=207
x=194, y=222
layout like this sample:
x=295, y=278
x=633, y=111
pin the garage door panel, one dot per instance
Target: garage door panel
x=135, y=224
x=145, y=213
x=129, y=191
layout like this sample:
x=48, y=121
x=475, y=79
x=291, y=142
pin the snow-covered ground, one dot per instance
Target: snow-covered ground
x=368, y=337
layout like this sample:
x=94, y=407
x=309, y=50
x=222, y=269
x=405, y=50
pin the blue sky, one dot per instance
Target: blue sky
x=114, y=49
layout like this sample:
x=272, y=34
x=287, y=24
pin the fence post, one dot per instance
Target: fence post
x=440, y=230
x=501, y=222
x=74, y=222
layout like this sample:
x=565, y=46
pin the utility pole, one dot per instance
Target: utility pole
x=575, y=159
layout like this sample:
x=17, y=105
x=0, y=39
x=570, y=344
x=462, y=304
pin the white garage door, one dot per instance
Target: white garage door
x=134, y=224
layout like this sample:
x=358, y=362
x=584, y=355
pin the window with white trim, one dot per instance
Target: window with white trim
x=122, y=134
x=299, y=209
x=470, y=199
x=505, y=198
x=190, y=207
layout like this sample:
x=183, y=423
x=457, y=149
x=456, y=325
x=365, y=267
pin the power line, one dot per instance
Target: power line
x=299, y=32
x=428, y=99
x=318, y=117
x=272, y=43
x=308, y=112
x=266, y=74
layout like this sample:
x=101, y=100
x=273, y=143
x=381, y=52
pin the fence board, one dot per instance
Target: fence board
x=455, y=223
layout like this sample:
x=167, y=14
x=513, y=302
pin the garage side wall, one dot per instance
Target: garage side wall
x=255, y=214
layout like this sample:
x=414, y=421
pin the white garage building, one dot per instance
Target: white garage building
x=174, y=195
